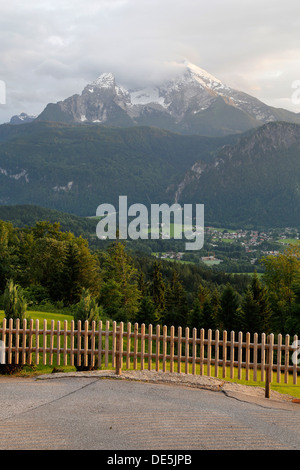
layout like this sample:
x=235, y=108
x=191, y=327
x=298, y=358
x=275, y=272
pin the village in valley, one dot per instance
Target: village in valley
x=237, y=250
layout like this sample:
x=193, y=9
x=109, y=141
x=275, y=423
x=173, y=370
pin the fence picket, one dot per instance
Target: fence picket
x=216, y=353
x=164, y=348
x=279, y=354
x=232, y=350
x=72, y=342
x=93, y=333
x=286, y=358
x=78, y=349
x=179, y=349
x=4, y=331
x=135, y=345
x=85, y=344
x=209, y=340
x=240, y=352
x=142, y=345
x=194, y=351
x=172, y=334
x=114, y=332
x=51, y=346
x=65, y=356
x=100, y=343
x=150, y=347
x=30, y=342
x=106, y=344
x=10, y=328
x=247, y=357
x=157, y=349
x=24, y=336
x=45, y=342
x=187, y=350
x=224, y=355
x=295, y=364
x=128, y=348
x=58, y=343
x=255, y=356
x=37, y=342
x=202, y=336
x=262, y=359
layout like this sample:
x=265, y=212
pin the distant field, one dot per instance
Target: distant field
x=288, y=241
x=212, y=262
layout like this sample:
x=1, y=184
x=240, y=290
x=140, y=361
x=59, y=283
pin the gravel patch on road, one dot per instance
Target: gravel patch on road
x=195, y=381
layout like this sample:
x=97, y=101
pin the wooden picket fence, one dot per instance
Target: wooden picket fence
x=211, y=353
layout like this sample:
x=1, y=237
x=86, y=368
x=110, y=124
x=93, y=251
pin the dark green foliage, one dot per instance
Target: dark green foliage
x=256, y=308
x=175, y=303
x=75, y=168
x=28, y=215
x=14, y=303
x=157, y=288
x=147, y=313
x=229, y=315
x=87, y=308
x=119, y=292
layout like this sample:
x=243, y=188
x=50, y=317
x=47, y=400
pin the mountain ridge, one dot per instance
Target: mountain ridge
x=191, y=102
x=256, y=180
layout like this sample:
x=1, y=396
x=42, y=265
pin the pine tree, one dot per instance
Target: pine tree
x=157, y=287
x=196, y=319
x=119, y=294
x=175, y=303
x=256, y=308
x=229, y=307
x=147, y=312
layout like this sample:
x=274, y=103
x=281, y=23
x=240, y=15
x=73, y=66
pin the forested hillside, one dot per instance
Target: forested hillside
x=57, y=268
x=74, y=168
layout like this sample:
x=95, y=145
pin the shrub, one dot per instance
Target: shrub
x=15, y=307
x=14, y=303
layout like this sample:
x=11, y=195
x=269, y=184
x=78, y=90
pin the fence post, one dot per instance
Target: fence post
x=269, y=363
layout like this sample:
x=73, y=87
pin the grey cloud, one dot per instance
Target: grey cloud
x=50, y=49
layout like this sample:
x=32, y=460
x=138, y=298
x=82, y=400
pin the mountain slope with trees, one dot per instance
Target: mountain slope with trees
x=254, y=182
x=74, y=168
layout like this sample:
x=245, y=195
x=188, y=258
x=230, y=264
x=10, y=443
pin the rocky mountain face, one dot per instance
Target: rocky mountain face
x=255, y=181
x=193, y=102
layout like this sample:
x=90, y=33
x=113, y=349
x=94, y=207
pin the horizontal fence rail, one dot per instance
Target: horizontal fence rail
x=133, y=346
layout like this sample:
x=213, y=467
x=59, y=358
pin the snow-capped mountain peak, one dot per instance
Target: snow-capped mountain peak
x=192, y=101
x=202, y=76
x=106, y=80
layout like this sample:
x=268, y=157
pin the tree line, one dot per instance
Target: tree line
x=43, y=264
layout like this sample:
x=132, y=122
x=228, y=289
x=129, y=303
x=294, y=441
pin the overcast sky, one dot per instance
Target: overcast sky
x=50, y=50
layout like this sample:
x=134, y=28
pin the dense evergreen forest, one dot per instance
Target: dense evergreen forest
x=45, y=267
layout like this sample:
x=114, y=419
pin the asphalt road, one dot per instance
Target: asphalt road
x=93, y=414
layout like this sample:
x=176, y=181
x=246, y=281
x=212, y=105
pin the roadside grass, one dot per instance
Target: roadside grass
x=38, y=369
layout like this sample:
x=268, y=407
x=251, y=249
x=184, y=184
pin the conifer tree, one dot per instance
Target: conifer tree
x=229, y=307
x=157, y=287
x=256, y=308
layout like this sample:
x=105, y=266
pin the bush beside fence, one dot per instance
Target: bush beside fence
x=127, y=346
